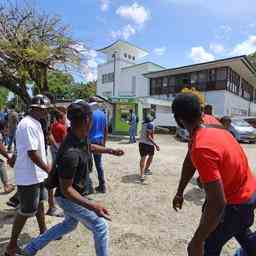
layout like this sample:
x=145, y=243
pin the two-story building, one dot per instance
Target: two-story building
x=229, y=85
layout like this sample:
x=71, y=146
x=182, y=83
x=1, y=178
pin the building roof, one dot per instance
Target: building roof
x=240, y=64
x=123, y=44
x=144, y=63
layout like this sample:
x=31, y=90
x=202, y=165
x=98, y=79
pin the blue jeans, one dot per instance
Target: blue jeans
x=73, y=214
x=99, y=168
x=235, y=222
x=132, y=134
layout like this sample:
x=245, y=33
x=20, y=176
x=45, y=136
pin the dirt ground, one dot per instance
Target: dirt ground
x=143, y=221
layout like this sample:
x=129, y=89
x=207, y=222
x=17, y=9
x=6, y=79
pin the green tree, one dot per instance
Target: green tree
x=31, y=44
x=3, y=97
x=84, y=91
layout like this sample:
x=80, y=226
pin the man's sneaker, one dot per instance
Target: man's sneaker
x=55, y=212
x=148, y=172
x=13, y=203
x=142, y=179
x=101, y=189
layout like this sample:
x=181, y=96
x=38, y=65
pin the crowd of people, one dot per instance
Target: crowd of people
x=77, y=137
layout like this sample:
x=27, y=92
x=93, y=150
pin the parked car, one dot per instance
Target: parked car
x=251, y=120
x=242, y=130
x=182, y=134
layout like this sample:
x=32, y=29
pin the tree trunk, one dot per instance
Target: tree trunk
x=14, y=86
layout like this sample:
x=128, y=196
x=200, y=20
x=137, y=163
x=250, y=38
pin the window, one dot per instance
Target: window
x=193, y=78
x=133, y=58
x=212, y=75
x=129, y=56
x=165, y=81
x=108, y=78
x=221, y=74
x=202, y=76
x=125, y=55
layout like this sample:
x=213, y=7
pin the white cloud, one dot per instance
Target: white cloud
x=217, y=48
x=160, y=51
x=124, y=33
x=199, y=54
x=135, y=12
x=104, y=5
x=246, y=47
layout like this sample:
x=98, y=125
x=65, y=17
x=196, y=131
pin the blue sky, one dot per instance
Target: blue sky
x=175, y=32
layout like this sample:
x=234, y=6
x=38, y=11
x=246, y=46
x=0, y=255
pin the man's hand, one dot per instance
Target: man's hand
x=117, y=152
x=11, y=161
x=157, y=148
x=101, y=211
x=49, y=168
x=195, y=248
x=177, y=202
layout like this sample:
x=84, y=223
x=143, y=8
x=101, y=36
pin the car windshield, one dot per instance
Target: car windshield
x=240, y=122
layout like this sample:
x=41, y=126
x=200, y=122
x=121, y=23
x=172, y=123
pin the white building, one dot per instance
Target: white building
x=229, y=85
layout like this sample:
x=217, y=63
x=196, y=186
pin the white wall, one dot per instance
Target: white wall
x=217, y=100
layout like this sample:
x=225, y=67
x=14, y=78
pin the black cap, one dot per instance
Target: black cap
x=78, y=111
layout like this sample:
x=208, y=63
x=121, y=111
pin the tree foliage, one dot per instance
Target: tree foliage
x=195, y=92
x=3, y=97
x=63, y=86
x=31, y=44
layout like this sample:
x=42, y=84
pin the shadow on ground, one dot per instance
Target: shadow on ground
x=132, y=179
x=7, y=217
x=24, y=239
x=196, y=196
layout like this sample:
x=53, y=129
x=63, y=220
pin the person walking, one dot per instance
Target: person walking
x=227, y=180
x=31, y=169
x=133, y=126
x=71, y=174
x=147, y=147
x=12, y=126
x=98, y=135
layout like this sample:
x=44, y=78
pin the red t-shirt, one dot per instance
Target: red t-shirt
x=218, y=156
x=59, y=131
x=208, y=119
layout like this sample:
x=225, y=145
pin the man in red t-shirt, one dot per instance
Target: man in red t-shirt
x=227, y=180
x=58, y=132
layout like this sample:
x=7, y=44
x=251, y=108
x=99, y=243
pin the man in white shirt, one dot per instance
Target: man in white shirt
x=31, y=169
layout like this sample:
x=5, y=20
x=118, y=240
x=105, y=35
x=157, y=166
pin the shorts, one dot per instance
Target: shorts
x=30, y=196
x=146, y=150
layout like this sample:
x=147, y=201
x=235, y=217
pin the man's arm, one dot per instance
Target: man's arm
x=105, y=136
x=150, y=137
x=36, y=159
x=215, y=205
x=188, y=171
x=71, y=194
x=3, y=151
x=98, y=149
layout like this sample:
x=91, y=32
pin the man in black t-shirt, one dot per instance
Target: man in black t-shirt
x=72, y=170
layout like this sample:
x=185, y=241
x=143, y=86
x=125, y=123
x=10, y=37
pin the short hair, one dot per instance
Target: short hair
x=78, y=112
x=186, y=107
x=59, y=115
x=208, y=109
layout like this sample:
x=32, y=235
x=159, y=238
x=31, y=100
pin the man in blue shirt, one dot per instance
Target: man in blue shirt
x=133, y=126
x=98, y=135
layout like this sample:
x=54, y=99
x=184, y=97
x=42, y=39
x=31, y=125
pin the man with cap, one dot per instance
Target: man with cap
x=71, y=175
x=227, y=180
x=31, y=169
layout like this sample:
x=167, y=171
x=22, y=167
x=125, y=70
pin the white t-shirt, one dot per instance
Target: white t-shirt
x=29, y=136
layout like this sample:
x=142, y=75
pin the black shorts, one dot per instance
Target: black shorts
x=30, y=196
x=146, y=150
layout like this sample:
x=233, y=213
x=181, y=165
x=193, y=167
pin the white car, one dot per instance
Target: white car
x=242, y=130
